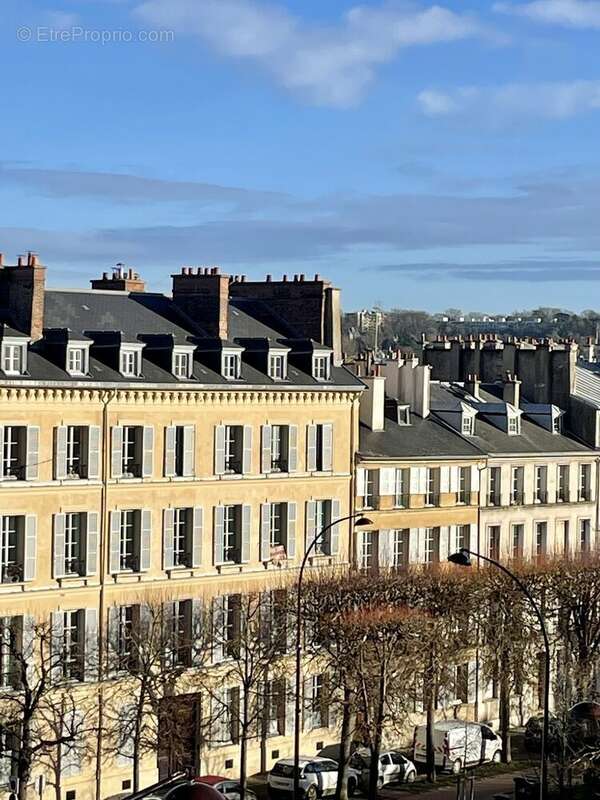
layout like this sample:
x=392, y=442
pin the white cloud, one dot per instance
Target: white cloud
x=571, y=13
x=330, y=65
x=512, y=101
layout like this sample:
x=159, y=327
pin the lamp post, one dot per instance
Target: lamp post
x=360, y=521
x=463, y=559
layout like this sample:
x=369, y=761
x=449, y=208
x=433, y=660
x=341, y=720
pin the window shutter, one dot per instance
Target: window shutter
x=189, y=450
x=1, y=451
x=60, y=452
x=292, y=448
x=170, y=439
x=473, y=544
x=198, y=638
x=219, y=449
x=444, y=480
x=311, y=448
x=291, y=530
x=219, y=541
x=472, y=681
x=197, y=533
x=325, y=702
x=334, y=531
x=218, y=625
x=360, y=482
x=30, y=547
x=422, y=480
x=247, y=457
x=265, y=449
x=93, y=452
x=112, y=645
x=387, y=481
x=384, y=548
x=327, y=447
x=116, y=459
x=413, y=546
x=148, y=451
x=59, y=546
x=33, y=447
x=290, y=706
x=70, y=758
x=307, y=696
x=145, y=538
x=414, y=480
x=115, y=542
x=91, y=542
x=29, y=641
x=246, y=517
x=311, y=522
x=168, y=535
x=444, y=543
x=454, y=480
x=91, y=645
x=474, y=479
x=265, y=532
x=57, y=621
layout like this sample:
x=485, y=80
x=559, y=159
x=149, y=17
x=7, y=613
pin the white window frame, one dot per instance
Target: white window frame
x=83, y=352
x=277, y=369
x=130, y=362
x=12, y=545
x=562, y=486
x=182, y=537
x=517, y=529
x=513, y=424
x=492, y=530
x=584, y=490
x=231, y=363
x=540, y=526
x=14, y=358
x=401, y=487
x=74, y=543
x=321, y=367
x=466, y=425
x=584, y=531
x=182, y=363
x=400, y=546
x=366, y=550
x=403, y=415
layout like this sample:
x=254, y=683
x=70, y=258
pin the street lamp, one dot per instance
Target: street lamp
x=463, y=559
x=360, y=522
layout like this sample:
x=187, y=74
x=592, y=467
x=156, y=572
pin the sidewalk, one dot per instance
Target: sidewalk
x=485, y=789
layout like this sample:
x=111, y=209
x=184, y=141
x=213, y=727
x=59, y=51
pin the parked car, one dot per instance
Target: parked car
x=228, y=788
x=533, y=735
x=458, y=744
x=318, y=778
x=393, y=767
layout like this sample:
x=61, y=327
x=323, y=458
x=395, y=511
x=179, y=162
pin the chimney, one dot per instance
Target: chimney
x=472, y=385
x=203, y=295
x=410, y=384
x=23, y=287
x=512, y=390
x=589, y=350
x=121, y=280
x=372, y=403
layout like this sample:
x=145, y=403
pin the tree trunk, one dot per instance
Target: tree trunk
x=504, y=711
x=430, y=754
x=137, y=736
x=348, y=725
x=244, y=746
x=376, y=743
x=24, y=760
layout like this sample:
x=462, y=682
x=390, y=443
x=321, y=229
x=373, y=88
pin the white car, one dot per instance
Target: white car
x=318, y=778
x=393, y=767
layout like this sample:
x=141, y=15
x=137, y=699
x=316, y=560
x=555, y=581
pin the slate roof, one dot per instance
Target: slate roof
x=423, y=438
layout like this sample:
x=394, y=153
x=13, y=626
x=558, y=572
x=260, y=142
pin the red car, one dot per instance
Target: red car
x=230, y=789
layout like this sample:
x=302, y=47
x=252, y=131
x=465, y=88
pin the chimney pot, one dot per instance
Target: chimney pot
x=285, y=278
x=302, y=276
x=269, y=278
x=317, y=277
x=1, y=259
x=19, y=261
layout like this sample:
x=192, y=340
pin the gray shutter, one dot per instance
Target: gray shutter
x=218, y=623
x=444, y=543
x=57, y=621
x=327, y=447
x=197, y=533
x=198, y=638
x=265, y=532
x=1, y=451
x=112, y=645
x=247, y=457
x=291, y=530
x=91, y=542
x=189, y=450
x=219, y=542
x=246, y=517
x=472, y=681
x=93, y=454
x=148, y=451
x=219, y=449
x=170, y=444
x=265, y=449
x=29, y=642
x=91, y=645
x=384, y=549
x=290, y=707
x=311, y=522
x=116, y=458
x=145, y=538
x=292, y=448
x=60, y=452
x=115, y=542
x=311, y=448
x=334, y=531
x=30, y=547
x=58, y=561
x=168, y=534
x=33, y=455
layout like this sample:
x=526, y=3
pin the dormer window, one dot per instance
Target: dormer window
x=403, y=415
x=321, y=368
x=131, y=362
x=557, y=424
x=14, y=358
x=277, y=367
x=467, y=424
x=182, y=364
x=77, y=360
x=231, y=366
x=514, y=425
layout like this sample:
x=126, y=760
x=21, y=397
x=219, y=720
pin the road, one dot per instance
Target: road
x=485, y=789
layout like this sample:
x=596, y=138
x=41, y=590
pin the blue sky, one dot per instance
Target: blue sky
x=419, y=155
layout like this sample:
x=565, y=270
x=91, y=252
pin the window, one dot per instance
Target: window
x=514, y=425
x=463, y=536
x=232, y=625
x=178, y=466
x=74, y=546
x=466, y=426
x=231, y=366
x=541, y=531
x=275, y=708
x=464, y=485
x=231, y=534
x=403, y=415
x=71, y=661
x=585, y=482
x=494, y=541
x=518, y=537
x=77, y=360
x=584, y=535
x=566, y=537
x=494, y=487
x=432, y=545
x=371, y=488
x=277, y=367
x=365, y=551
x=278, y=524
x=234, y=448
x=132, y=451
x=562, y=490
x=540, y=484
x=182, y=364
x=75, y=436
x=557, y=424
x=182, y=537
x=13, y=359
x=323, y=448
x=14, y=452
x=124, y=636
x=279, y=448
x=516, y=487
x=401, y=487
x=129, y=541
x=226, y=713
x=322, y=519
x=130, y=363
x=11, y=640
x=432, y=486
x=12, y=548
x=180, y=635
x=317, y=701
x=321, y=367
x=400, y=545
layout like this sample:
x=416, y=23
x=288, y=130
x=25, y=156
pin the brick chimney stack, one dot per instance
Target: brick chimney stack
x=202, y=293
x=23, y=286
x=122, y=280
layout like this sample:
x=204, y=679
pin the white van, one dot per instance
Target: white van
x=458, y=743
